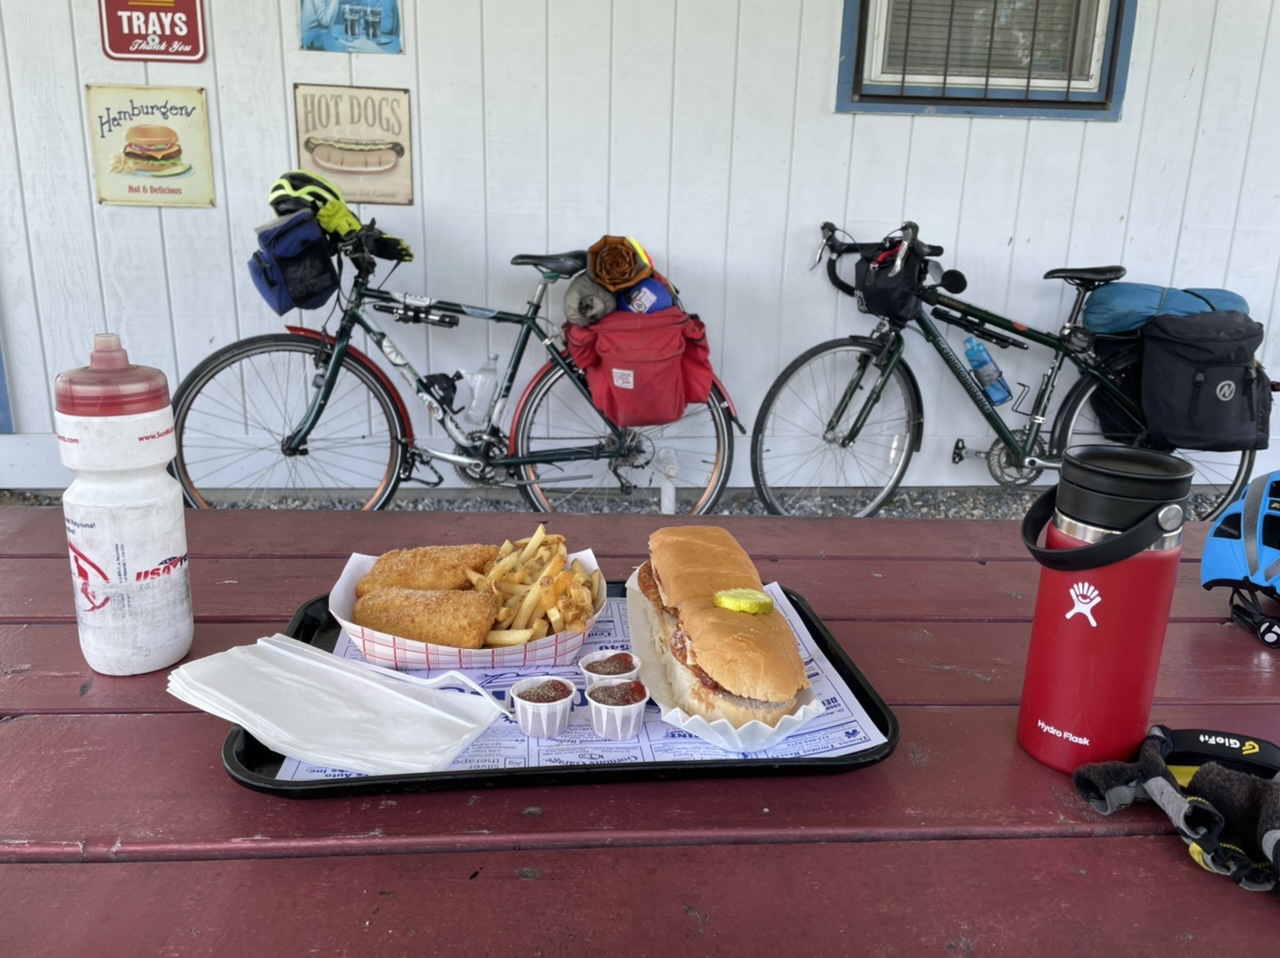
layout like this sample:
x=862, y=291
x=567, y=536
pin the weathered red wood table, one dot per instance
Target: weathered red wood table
x=121, y=834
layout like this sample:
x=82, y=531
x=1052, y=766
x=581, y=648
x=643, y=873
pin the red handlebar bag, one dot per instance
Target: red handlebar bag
x=636, y=364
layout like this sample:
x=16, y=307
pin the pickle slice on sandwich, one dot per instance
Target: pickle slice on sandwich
x=744, y=600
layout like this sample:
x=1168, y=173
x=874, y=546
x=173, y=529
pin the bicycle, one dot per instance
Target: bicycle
x=843, y=419
x=306, y=412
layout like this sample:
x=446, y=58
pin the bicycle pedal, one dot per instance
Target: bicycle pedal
x=960, y=452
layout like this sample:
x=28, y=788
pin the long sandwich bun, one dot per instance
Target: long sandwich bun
x=691, y=562
x=720, y=664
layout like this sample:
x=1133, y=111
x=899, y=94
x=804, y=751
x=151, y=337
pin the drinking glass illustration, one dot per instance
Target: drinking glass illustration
x=373, y=22
x=353, y=19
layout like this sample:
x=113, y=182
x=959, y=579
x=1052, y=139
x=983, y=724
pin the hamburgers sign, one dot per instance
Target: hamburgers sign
x=152, y=29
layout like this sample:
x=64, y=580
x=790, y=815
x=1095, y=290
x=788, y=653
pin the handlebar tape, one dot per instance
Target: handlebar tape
x=836, y=281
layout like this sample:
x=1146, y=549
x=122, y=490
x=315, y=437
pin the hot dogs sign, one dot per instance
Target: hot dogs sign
x=359, y=138
x=150, y=145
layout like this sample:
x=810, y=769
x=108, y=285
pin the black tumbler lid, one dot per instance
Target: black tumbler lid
x=1114, y=486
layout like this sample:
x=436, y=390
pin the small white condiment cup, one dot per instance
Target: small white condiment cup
x=593, y=677
x=616, y=722
x=542, y=719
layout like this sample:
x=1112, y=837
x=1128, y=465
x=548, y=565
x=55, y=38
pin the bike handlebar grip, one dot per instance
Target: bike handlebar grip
x=933, y=251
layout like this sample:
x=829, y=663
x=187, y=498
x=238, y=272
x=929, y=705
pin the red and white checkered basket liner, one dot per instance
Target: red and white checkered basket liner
x=394, y=652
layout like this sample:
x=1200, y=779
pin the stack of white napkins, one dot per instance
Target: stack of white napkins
x=313, y=706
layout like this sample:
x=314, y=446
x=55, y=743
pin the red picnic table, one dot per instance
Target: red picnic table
x=121, y=833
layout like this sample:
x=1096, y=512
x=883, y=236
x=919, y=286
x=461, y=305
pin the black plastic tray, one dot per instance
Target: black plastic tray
x=254, y=765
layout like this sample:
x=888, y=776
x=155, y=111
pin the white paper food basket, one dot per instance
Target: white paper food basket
x=752, y=737
x=394, y=652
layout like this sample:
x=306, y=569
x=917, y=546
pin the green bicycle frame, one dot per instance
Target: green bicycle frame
x=1021, y=449
x=362, y=294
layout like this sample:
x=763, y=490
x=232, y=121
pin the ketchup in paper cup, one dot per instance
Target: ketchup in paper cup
x=609, y=664
x=617, y=708
x=542, y=705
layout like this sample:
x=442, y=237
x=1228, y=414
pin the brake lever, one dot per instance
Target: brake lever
x=909, y=232
x=818, y=256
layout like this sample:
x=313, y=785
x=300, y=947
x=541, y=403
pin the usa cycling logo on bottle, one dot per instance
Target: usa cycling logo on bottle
x=1083, y=598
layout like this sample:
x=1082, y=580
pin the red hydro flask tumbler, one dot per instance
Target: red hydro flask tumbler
x=1109, y=566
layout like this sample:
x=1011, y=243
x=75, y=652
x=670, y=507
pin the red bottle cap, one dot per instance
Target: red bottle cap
x=110, y=385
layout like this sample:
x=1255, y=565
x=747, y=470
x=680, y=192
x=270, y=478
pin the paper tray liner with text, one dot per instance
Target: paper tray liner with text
x=254, y=765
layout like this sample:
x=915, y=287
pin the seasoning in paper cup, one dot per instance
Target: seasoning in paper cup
x=608, y=664
x=617, y=708
x=542, y=705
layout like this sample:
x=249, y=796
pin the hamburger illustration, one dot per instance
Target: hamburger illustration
x=153, y=149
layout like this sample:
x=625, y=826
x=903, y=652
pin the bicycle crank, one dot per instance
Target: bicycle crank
x=1006, y=471
x=477, y=471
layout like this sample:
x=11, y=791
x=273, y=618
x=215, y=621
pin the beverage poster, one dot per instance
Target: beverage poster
x=343, y=26
x=358, y=137
x=152, y=29
x=150, y=145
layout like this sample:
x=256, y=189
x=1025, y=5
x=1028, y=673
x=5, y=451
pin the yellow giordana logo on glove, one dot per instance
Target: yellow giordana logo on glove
x=334, y=218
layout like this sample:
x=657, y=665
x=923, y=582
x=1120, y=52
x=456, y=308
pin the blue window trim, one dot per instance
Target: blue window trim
x=6, y=414
x=1105, y=104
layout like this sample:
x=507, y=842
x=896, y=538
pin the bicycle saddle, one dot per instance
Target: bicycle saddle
x=566, y=264
x=1090, y=277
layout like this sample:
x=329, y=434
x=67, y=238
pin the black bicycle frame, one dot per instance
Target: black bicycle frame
x=362, y=294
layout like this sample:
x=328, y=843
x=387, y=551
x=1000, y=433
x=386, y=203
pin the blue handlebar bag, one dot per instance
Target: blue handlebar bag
x=292, y=268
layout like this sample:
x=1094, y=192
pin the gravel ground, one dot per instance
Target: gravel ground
x=921, y=503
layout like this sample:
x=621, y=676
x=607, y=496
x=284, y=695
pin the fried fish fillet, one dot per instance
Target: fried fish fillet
x=454, y=618
x=428, y=567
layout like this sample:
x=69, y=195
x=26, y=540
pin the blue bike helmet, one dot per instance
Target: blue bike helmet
x=1243, y=553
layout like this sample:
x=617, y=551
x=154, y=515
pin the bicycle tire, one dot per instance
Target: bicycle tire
x=799, y=470
x=233, y=411
x=556, y=414
x=1220, y=476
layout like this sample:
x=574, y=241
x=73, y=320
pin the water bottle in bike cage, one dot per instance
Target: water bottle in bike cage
x=989, y=375
x=484, y=383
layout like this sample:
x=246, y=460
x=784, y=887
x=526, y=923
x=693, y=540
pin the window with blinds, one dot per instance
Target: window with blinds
x=1011, y=56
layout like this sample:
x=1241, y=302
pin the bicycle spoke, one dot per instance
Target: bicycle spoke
x=234, y=412
x=559, y=417
x=800, y=465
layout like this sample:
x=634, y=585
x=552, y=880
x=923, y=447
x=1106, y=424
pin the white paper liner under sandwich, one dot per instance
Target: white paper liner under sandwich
x=755, y=736
x=311, y=705
x=395, y=652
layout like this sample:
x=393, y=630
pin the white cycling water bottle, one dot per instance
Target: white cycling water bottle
x=484, y=383
x=126, y=529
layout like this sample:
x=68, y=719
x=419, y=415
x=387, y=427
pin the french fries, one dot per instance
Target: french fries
x=538, y=591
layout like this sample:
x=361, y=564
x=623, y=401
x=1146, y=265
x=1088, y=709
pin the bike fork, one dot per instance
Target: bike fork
x=886, y=361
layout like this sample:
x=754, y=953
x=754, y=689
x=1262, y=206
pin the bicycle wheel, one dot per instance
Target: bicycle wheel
x=1219, y=475
x=697, y=449
x=798, y=464
x=233, y=411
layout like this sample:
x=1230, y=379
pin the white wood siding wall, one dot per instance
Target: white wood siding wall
x=703, y=127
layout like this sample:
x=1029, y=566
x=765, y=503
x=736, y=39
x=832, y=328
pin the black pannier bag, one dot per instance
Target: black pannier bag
x=1123, y=353
x=1202, y=388
x=890, y=297
x=292, y=268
